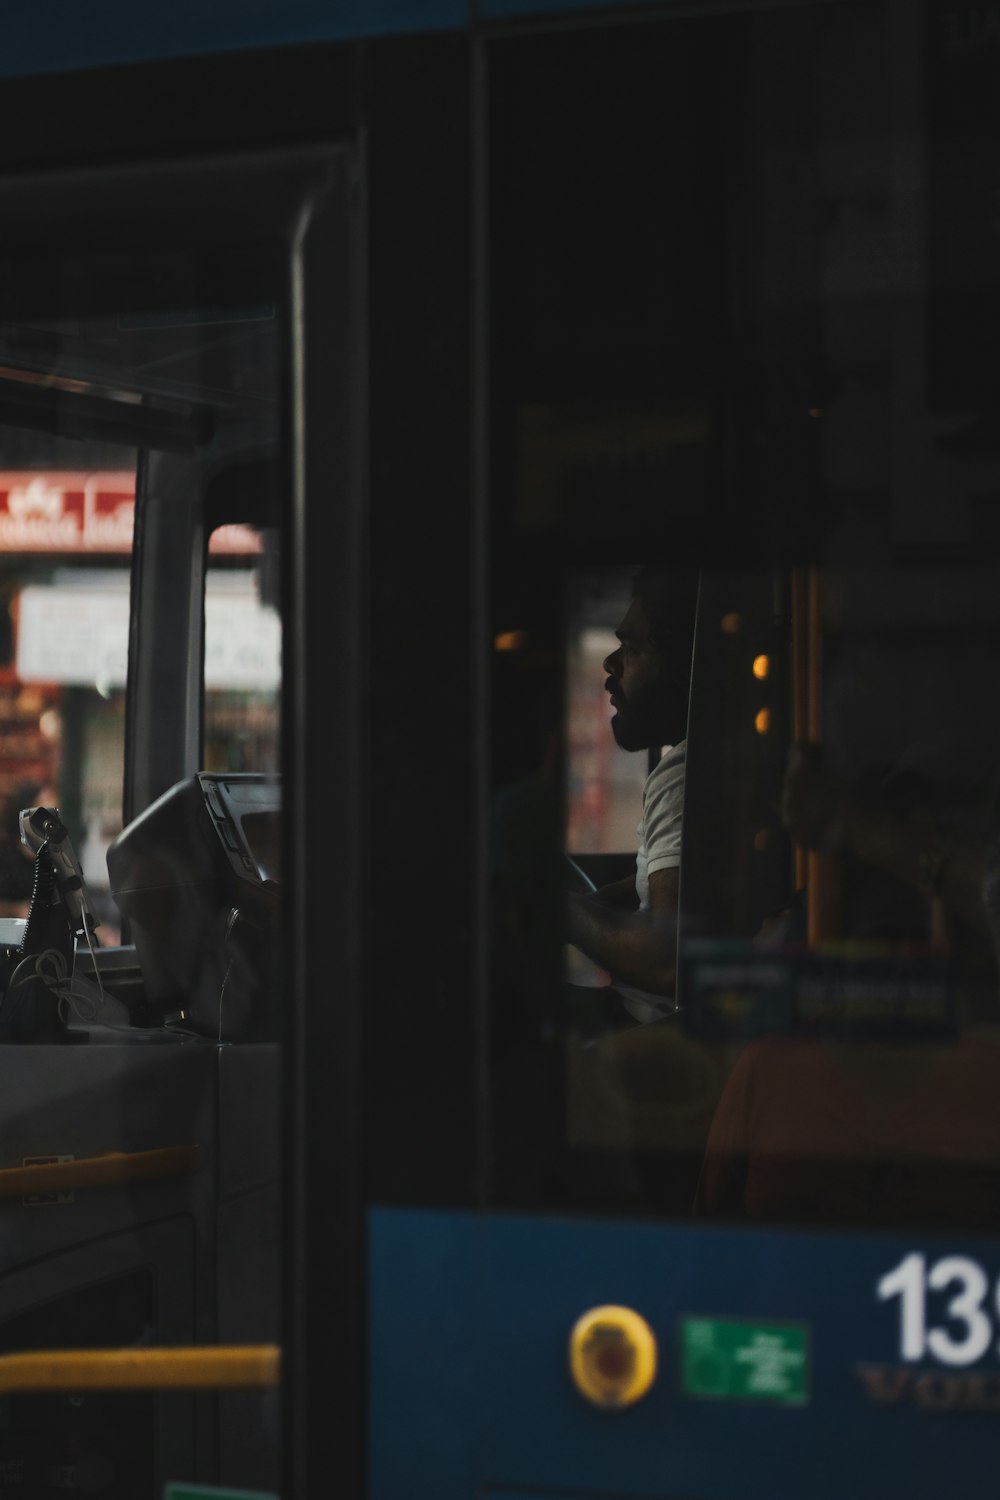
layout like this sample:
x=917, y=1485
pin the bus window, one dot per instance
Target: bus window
x=827, y=1051
x=242, y=653
x=832, y=942
x=140, y=692
x=66, y=510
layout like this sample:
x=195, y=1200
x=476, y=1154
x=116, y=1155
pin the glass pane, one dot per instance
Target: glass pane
x=138, y=395
x=242, y=712
x=760, y=374
x=66, y=521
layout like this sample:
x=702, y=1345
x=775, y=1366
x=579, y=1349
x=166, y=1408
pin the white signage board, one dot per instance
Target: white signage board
x=78, y=636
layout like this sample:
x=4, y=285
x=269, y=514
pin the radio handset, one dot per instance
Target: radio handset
x=43, y=831
x=38, y=983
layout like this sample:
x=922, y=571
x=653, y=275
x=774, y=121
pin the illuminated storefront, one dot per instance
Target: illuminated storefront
x=65, y=546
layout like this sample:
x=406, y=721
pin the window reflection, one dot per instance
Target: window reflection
x=833, y=1054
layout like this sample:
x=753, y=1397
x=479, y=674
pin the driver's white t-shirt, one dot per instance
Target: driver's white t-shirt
x=659, y=849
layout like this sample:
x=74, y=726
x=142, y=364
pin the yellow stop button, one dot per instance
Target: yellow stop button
x=612, y=1356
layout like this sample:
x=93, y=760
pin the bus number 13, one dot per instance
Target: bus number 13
x=969, y=1338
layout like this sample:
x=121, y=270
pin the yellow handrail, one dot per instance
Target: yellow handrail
x=108, y=1170
x=215, y=1367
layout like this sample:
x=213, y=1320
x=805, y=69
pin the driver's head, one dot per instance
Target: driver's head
x=649, y=673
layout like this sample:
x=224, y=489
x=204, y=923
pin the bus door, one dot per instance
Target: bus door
x=730, y=1231
x=162, y=406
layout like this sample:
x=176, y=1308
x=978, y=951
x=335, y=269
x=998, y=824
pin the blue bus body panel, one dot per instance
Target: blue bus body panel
x=59, y=36
x=527, y=10
x=470, y=1321
x=65, y=35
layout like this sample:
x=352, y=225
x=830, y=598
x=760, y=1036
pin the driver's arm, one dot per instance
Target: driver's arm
x=638, y=947
x=618, y=893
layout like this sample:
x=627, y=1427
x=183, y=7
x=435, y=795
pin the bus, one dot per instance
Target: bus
x=357, y=363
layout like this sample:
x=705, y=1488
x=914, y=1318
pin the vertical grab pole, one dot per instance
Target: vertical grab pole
x=814, y=662
x=800, y=684
x=823, y=874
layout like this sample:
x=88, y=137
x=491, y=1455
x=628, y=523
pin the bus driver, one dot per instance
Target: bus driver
x=629, y=927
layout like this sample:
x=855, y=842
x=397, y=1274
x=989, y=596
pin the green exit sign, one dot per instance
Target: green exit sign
x=176, y=1491
x=744, y=1361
